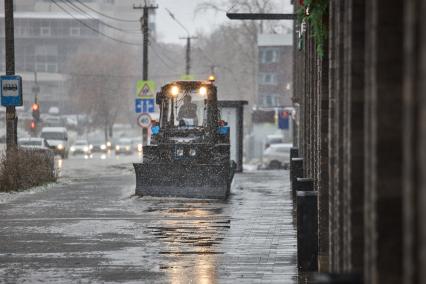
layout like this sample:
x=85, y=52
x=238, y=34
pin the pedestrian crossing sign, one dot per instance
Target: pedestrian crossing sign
x=187, y=77
x=145, y=89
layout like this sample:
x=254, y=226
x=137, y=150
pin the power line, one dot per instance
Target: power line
x=161, y=59
x=130, y=76
x=92, y=29
x=177, y=21
x=105, y=15
x=153, y=42
x=84, y=13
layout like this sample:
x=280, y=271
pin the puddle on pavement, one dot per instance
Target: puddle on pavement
x=190, y=236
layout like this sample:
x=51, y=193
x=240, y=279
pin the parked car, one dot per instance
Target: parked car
x=33, y=143
x=273, y=139
x=57, y=138
x=277, y=156
x=81, y=147
x=124, y=146
x=41, y=146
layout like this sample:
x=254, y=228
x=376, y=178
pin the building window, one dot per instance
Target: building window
x=268, y=79
x=46, y=58
x=45, y=31
x=75, y=31
x=40, y=67
x=19, y=30
x=270, y=100
x=52, y=67
x=269, y=55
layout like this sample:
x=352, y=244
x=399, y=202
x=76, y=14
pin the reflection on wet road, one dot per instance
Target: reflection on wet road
x=89, y=228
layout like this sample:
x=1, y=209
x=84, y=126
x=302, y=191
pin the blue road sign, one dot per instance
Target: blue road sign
x=145, y=105
x=11, y=90
x=283, y=120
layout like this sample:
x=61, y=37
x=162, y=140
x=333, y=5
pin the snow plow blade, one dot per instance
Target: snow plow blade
x=211, y=181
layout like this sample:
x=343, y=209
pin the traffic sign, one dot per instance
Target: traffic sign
x=144, y=105
x=144, y=120
x=145, y=89
x=187, y=77
x=11, y=90
x=283, y=120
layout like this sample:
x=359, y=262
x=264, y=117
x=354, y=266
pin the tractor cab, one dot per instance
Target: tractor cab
x=188, y=112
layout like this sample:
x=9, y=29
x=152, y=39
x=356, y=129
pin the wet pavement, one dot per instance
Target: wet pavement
x=89, y=228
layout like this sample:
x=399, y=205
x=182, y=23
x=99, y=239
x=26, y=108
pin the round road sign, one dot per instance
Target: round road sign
x=144, y=120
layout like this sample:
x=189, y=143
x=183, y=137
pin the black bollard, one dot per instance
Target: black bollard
x=303, y=184
x=294, y=153
x=333, y=278
x=296, y=171
x=307, y=231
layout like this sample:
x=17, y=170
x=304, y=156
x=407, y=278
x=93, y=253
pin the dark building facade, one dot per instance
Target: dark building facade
x=45, y=42
x=362, y=135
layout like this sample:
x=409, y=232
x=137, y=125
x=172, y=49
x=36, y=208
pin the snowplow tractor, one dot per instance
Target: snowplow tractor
x=189, y=154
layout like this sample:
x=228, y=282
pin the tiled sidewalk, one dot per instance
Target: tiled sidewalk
x=93, y=231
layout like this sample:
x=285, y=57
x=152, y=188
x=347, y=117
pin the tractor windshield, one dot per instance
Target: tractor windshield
x=187, y=109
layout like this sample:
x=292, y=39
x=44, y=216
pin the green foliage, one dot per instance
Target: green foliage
x=313, y=12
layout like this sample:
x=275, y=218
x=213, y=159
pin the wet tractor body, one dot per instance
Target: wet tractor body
x=189, y=154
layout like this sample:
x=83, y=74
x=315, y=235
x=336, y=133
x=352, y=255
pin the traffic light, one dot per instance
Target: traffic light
x=36, y=112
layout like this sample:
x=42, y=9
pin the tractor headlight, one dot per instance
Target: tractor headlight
x=86, y=149
x=203, y=91
x=108, y=144
x=72, y=149
x=174, y=91
x=192, y=152
x=140, y=147
x=91, y=147
x=117, y=148
x=179, y=152
x=103, y=147
x=60, y=147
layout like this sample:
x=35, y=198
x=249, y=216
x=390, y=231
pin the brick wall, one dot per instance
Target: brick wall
x=363, y=137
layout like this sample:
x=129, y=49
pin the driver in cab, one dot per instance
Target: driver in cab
x=188, y=111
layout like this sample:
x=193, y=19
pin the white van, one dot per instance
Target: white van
x=57, y=138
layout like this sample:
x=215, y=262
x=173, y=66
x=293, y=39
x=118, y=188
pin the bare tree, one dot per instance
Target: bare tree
x=248, y=6
x=101, y=83
x=233, y=46
x=232, y=57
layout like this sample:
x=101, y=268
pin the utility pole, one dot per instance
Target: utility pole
x=213, y=69
x=188, y=53
x=145, y=32
x=11, y=118
x=36, y=88
x=188, y=42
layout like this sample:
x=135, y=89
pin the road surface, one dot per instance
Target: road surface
x=89, y=228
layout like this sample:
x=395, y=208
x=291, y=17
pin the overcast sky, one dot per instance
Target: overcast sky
x=169, y=31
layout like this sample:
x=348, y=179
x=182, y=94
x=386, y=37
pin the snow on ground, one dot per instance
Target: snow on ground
x=10, y=196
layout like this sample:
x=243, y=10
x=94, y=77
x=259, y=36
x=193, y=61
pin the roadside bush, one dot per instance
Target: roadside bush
x=21, y=169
